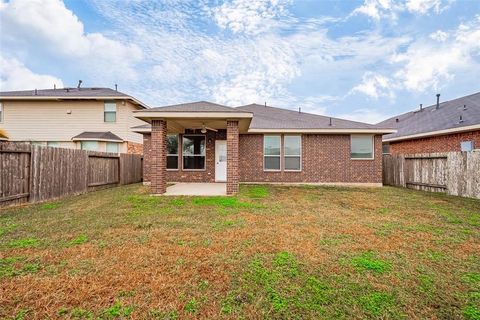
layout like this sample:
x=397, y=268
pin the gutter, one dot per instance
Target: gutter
x=434, y=133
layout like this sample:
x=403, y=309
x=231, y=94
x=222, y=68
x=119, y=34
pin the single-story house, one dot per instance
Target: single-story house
x=443, y=127
x=208, y=142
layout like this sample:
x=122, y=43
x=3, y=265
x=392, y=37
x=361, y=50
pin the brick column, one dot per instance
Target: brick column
x=158, y=156
x=147, y=157
x=232, y=157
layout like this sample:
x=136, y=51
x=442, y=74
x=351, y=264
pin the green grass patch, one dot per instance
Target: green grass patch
x=368, y=261
x=228, y=202
x=471, y=278
x=192, y=306
x=471, y=312
x=257, y=192
x=17, y=266
x=49, y=206
x=378, y=304
x=177, y=202
x=81, y=239
x=117, y=311
x=7, y=227
x=24, y=243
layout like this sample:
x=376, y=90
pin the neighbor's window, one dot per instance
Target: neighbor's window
x=1, y=112
x=112, y=147
x=172, y=151
x=386, y=148
x=110, y=111
x=292, y=152
x=271, y=153
x=89, y=145
x=53, y=144
x=466, y=146
x=193, y=152
x=361, y=147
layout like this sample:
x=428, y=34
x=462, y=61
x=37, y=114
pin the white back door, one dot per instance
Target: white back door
x=221, y=160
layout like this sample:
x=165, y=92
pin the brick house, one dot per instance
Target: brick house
x=448, y=126
x=207, y=142
x=96, y=119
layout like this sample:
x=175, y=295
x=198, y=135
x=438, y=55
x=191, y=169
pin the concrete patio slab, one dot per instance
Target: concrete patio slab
x=197, y=189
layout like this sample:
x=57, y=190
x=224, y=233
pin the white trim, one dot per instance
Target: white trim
x=191, y=115
x=141, y=130
x=198, y=155
x=271, y=155
x=341, y=131
x=175, y=155
x=373, y=147
x=435, y=133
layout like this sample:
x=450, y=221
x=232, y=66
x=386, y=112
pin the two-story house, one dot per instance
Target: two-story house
x=82, y=118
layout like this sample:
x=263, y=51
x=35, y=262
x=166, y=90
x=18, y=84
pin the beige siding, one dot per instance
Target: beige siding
x=62, y=120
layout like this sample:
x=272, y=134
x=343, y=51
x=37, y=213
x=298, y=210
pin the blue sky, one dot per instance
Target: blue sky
x=362, y=60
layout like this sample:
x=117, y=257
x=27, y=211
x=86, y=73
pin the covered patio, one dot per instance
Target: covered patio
x=206, y=153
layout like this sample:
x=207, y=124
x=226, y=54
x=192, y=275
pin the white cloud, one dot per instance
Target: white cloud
x=366, y=115
x=390, y=9
x=432, y=65
x=15, y=76
x=48, y=26
x=377, y=9
x=423, y=6
x=375, y=85
x=439, y=35
x=248, y=16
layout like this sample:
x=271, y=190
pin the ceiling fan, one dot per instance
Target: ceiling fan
x=204, y=128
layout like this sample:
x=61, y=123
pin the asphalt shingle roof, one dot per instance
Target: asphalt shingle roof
x=107, y=135
x=66, y=92
x=276, y=118
x=199, y=106
x=430, y=119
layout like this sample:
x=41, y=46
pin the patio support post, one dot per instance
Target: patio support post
x=158, y=161
x=232, y=157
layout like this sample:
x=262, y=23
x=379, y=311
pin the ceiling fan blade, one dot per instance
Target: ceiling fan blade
x=211, y=129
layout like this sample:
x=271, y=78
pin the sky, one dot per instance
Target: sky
x=361, y=60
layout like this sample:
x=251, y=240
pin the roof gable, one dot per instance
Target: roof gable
x=198, y=106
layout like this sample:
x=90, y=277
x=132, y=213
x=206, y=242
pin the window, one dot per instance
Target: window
x=110, y=111
x=386, y=148
x=172, y=152
x=292, y=151
x=466, y=146
x=1, y=112
x=112, y=147
x=53, y=144
x=271, y=153
x=89, y=145
x=193, y=152
x=361, y=147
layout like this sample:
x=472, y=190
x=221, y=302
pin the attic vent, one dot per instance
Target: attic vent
x=397, y=120
x=464, y=107
x=330, y=122
x=438, y=101
x=460, y=120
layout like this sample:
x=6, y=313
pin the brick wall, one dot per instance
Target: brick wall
x=232, y=157
x=325, y=158
x=158, y=156
x=147, y=156
x=135, y=148
x=443, y=143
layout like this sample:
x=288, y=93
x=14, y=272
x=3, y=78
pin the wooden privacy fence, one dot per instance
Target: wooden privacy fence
x=33, y=174
x=455, y=173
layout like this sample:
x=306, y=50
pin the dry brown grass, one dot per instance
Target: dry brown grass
x=155, y=257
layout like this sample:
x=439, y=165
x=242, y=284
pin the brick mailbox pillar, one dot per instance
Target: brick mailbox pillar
x=158, y=157
x=232, y=157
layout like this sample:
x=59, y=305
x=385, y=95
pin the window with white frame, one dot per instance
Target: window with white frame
x=89, y=145
x=292, y=152
x=110, y=111
x=172, y=152
x=112, y=147
x=361, y=147
x=193, y=147
x=271, y=152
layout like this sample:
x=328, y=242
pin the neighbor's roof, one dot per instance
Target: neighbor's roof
x=68, y=93
x=430, y=121
x=199, y=106
x=97, y=136
x=265, y=117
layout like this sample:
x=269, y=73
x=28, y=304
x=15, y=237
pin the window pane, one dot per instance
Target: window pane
x=271, y=145
x=110, y=116
x=52, y=144
x=272, y=163
x=112, y=147
x=386, y=148
x=191, y=162
x=362, y=147
x=172, y=144
x=292, y=163
x=292, y=145
x=89, y=145
x=110, y=106
x=194, y=145
x=172, y=162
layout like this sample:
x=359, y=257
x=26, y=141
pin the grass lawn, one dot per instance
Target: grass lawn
x=272, y=252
